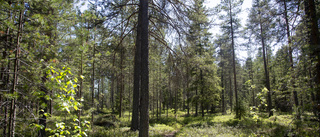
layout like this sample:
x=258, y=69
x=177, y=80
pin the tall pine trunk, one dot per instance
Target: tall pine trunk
x=234, y=62
x=92, y=82
x=144, y=114
x=12, y=117
x=188, y=91
x=266, y=70
x=80, y=88
x=5, y=74
x=102, y=92
x=121, y=80
x=314, y=43
x=223, y=109
x=230, y=92
x=137, y=77
x=295, y=96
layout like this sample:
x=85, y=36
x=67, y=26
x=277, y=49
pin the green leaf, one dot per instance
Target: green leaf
x=75, y=80
x=75, y=107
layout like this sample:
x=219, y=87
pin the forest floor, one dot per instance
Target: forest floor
x=180, y=125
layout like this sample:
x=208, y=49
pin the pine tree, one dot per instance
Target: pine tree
x=200, y=50
x=230, y=27
x=261, y=23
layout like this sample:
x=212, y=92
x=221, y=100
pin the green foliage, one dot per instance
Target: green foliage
x=262, y=99
x=69, y=129
x=242, y=109
x=64, y=85
x=58, y=33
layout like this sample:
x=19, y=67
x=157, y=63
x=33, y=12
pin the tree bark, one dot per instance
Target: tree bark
x=92, y=81
x=137, y=77
x=98, y=98
x=202, y=93
x=121, y=80
x=12, y=117
x=266, y=70
x=234, y=62
x=223, y=109
x=196, y=103
x=188, y=91
x=5, y=75
x=153, y=96
x=314, y=43
x=112, y=91
x=295, y=96
x=144, y=114
x=80, y=88
x=43, y=111
x=230, y=92
x=102, y=92
x=157, y=92
x=160, y=96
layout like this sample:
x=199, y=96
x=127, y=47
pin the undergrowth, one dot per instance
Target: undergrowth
x=217, y=125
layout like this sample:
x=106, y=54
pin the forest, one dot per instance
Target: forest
x=159, y=68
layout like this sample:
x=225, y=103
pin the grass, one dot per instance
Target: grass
x=108, y=124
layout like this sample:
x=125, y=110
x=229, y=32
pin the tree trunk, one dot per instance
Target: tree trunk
x=129, y=90
x=102, y=92
x=266, y=70
x=153, y=96
x=121, y=80
x=295, y=96
x=234, y=63
x=137, y=77
x=5, y=74
x=168, y=100
x=188, y=91
x=12, y=117
x=196, y=104
x=144, y=114
x=222, y=96
x=80, y=88
x=230, y=92
x=160, y=96
x=92, y=84
x=112, y=91
x=98, y=98
x=202, y=93
x=157, y=92
x=314, y=42
x=175, y=99
x=43, y=119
